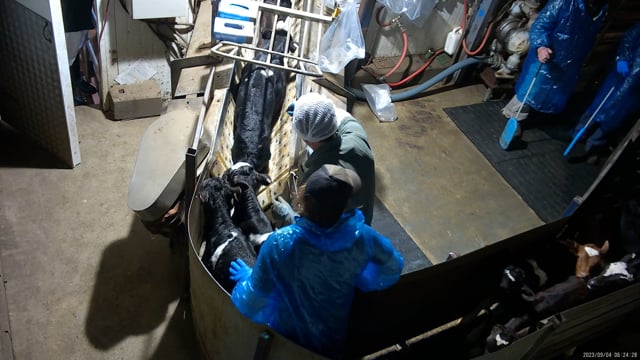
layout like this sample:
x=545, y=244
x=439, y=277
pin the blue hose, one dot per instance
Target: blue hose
x=359, y=94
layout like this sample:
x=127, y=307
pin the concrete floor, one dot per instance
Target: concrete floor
x=436, y=183
x=84, y=279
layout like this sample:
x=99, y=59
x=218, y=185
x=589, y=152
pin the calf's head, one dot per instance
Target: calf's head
x=216, y=193
x=589, y=255
x=242, y=174
x=282, y=43
x=617, y=275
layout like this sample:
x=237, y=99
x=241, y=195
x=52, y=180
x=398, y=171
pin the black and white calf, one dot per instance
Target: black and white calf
x=616, y=275
x=223, y=240
x=523, y=276
x=547, y=302
x=518, y=284
x=244, y=172
x=247, y=212
x=503, y=335
x=561, y=296
x=259, y=99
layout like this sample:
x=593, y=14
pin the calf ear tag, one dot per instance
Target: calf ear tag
x=591, y=251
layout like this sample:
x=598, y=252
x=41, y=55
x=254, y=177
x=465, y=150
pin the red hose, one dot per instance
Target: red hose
x=405, y=45
x=417, y=72
x=464, y=41
x=481, y=46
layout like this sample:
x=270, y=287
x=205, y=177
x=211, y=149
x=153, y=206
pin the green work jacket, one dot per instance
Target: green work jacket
x=349, y=149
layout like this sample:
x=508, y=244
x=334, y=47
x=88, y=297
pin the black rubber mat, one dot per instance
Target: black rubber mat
x=384, y=223
x=535, y=167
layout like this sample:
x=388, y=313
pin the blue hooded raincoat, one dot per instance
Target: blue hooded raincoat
x=567, y=28
x=304, y=280
x=624, y=99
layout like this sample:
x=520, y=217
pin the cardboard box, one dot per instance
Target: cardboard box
x=138, y=100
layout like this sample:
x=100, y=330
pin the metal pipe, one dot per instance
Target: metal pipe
x=217, y=49
x=296, y=13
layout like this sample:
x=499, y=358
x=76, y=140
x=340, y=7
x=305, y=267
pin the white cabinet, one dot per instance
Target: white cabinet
x=152, y=9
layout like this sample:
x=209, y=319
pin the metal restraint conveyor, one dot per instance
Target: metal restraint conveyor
x=302, y=24
x=306, y=28
x=221, y=330
x=199, y=115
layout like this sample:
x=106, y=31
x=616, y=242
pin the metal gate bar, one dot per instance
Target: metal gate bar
x=307, y=20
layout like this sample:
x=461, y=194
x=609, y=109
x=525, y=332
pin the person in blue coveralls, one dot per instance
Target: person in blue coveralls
x=615, y=111
x=304, y=280
x=561, y=37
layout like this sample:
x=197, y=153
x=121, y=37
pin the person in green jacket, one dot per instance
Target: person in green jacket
x=334, y=137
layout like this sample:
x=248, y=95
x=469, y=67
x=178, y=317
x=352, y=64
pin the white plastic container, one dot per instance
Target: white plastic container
x=453, y=41
x=233, y=30
x=245, y=10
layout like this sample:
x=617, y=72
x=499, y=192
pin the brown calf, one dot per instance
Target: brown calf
x=589, y=255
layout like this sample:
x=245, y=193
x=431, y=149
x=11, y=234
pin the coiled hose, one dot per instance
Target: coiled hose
x=407, y=94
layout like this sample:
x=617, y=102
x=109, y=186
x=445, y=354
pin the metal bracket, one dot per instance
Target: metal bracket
x=177, y=65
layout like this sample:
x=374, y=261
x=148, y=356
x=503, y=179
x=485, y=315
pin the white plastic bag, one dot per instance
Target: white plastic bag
x=343, y=40
x=411, y=8
x=379, y=100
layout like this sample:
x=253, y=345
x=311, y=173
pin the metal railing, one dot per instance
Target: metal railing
x=306, y=21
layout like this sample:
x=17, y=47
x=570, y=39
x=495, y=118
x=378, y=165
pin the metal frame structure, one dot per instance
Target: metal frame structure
x=307, y=22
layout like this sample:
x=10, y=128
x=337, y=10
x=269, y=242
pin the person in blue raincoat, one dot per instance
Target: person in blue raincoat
x=561, y=37
x=306, y=274
x=610, y=113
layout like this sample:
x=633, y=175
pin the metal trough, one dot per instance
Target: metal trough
x=222, y=331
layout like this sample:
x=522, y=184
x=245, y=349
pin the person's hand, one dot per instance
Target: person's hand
x=290, y=108
x=623, y=67
x=282, y=208
x=239, y=270
x=544, y=54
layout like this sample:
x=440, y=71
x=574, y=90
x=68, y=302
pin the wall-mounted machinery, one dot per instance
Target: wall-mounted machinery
x=511, y=40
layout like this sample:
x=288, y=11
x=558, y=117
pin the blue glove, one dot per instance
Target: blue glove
x=282, y=208
x=239, y=270
x=290, y=108
x=623, y=67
